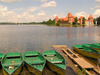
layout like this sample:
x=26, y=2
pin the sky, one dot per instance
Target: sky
x=40, y=10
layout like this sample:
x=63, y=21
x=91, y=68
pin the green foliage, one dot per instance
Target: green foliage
x=84, y=20
x=76, y=20
x=98, y=20
x=57, y=24
x=49, y=22
x=74, y=23
x=94, y=20
x=69, y=23
x=78, y=23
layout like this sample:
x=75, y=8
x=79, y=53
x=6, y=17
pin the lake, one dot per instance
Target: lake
x=22, y=38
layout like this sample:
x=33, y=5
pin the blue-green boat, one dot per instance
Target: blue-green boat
x=55, y=61
x=34, y=62
x=12, y=63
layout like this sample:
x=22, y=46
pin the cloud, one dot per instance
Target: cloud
x=42, y=13
x=96, y=13
x=49, y=4
x=40, y=0
x=3, y=8
x=97, y=1
x=18, y=9
x=84, y=14
x=61, y=15
x=9, y=1
x=11, y=16
x=32, y=9
x=98, y=6
x=91, y=8
x=7, y=15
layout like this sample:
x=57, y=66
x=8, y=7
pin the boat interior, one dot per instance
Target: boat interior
x=55, y=59
x=11, y=63
x=35, y=60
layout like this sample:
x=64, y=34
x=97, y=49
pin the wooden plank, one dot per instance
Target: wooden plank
x=59, y=45
x=83, y=63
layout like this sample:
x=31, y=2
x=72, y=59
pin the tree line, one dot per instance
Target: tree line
x=52, y=22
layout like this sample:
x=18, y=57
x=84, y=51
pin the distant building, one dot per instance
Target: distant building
x=70, y=19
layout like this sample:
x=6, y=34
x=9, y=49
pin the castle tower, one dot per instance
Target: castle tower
x=70, y=18
x=80, y=19
x=56, y=19
x=90, y=18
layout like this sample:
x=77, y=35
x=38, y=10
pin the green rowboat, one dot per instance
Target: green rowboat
x=95, y=46
x=12, y=63
x=87, y=51
x=34, y=62
x=55, y=61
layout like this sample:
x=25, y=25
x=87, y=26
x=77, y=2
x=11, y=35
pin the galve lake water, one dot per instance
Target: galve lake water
x=22, y=38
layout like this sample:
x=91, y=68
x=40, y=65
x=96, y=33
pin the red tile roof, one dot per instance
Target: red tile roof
x=64, y=19
x=90, y=17
x=80, y=17
x=56, y=17
x=70, y=15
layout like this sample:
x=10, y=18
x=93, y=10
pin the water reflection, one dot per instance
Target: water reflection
x=90, y=33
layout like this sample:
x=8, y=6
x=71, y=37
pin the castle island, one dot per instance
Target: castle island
x=70, y=19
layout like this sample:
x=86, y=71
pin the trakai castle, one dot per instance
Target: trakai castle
x=70, y=19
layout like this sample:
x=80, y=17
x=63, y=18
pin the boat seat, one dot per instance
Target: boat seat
x=36, y=62
x=11, y=64
x=56, y=61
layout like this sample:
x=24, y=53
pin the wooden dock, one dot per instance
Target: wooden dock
x=82, y=63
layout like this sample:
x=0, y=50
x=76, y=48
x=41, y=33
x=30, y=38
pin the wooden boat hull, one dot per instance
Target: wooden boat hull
x=14, y=73
x=96, y=49
x=55, y=68
x=88, y=54
x=33, y=70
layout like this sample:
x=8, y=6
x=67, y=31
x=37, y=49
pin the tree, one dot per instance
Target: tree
x=94, y=21
x=76, y=20
x=74, y=23
x=84, y=20
x=57, y=24
x=98, y=20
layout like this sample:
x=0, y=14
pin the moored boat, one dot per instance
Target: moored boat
x=87, y=51
x=34, y=62
x=12, y=63
x=95, y=46
x=55, y=61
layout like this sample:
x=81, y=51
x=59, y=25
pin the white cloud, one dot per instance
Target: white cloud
x=96, y=13
x=32, y=9
x=61, y=15
x=98, y=6
x=97, y=1
x=40, y=0
x=91, y=8
x=49, y=4
x=11, y=16
x=3, y=8
x=43, y=0
x=9, y=1
x=42, y=13
x=84, y=14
